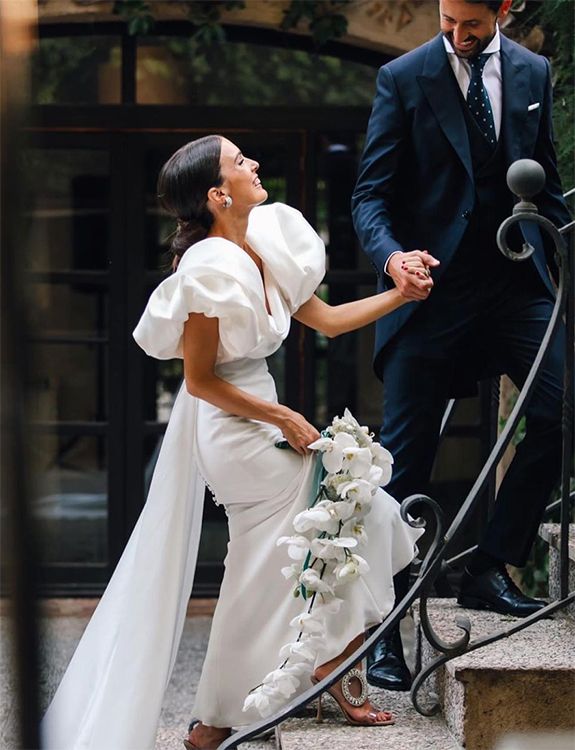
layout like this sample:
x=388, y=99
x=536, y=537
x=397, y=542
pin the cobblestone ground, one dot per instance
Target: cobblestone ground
x=60, y=635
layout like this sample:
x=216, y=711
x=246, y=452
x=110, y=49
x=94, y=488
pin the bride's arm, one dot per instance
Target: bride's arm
x=334, y=320
x=201, y=337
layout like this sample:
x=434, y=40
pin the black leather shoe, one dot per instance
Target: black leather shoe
x=386, y=667
x=494, y=590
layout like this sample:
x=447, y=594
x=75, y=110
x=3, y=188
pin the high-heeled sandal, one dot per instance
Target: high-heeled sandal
x=191, y=746
x=347, y=698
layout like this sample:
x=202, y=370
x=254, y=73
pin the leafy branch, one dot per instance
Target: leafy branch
x=137, y=14
x=205, y=17
x=323, y=19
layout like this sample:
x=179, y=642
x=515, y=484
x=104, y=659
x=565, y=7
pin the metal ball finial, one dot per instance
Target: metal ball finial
x=526, y=178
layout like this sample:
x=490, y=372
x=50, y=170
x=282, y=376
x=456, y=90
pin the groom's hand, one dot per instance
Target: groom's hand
x=411, y=273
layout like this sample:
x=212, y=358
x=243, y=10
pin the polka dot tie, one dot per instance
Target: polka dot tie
x=478, y=99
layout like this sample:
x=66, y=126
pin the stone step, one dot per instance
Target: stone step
x=411, y=731
x=551, y=533
x=61, y=630
x=523, y=683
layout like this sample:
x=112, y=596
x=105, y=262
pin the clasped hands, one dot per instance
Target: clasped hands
x=411, y=273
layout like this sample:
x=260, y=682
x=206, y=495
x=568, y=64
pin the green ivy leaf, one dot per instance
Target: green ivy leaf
x=137, y=14
x=322, y=18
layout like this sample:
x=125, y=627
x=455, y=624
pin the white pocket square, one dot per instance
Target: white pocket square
x=531, y=107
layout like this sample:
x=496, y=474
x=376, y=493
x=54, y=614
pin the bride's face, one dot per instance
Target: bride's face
x=240, y=176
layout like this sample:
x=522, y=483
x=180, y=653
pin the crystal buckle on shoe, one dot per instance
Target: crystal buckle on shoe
x=354, y=700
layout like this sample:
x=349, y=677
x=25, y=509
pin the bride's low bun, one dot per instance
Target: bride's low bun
x=188, y=232
x=183, y=186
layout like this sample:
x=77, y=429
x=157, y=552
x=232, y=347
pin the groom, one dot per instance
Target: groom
x=448, y=119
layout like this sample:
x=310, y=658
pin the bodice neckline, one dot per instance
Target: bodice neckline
x=264, y=276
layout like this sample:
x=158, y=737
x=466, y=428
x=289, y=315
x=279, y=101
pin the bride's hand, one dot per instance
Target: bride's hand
x=411, y=273
x=297, y=431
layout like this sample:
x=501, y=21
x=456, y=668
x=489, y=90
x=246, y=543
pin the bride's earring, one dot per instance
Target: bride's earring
x=228, y=201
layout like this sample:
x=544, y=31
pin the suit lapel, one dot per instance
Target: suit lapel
x=515, y=95
x=444, y=97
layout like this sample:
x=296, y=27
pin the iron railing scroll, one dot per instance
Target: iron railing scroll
x=525, y=179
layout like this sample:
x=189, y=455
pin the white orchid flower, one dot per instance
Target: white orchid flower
x=298, y=668
x=355, y=528
x=257, y=700
x=346, y=423
x=353, y=568
x=332, y=458
x=301, y=650
x=350, y=419
x=321, y=444
x=381, y=455
x=311, y=579
x=266, y=699
x=283, y=680
x=386, y=476
x=382, y=458
x=298, y=546
x=341, y=510
x=356, y=491
x=358, y=461
x=319, y=518
x=329, y=549
x=332, y=482
x=291, y=571
x=362, y=509
x=375, y=476
x=307, y=623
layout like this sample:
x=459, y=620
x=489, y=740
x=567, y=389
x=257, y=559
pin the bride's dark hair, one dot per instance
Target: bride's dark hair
x=183, y=186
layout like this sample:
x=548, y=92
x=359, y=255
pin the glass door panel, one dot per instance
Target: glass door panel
x=68, y=291
x=71, y=499
x=69, y=381
x=70, y=208
x=52, y=301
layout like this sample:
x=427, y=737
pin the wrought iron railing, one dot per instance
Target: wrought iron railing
x=525, y=178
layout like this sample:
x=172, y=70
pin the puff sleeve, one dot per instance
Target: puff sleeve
x=214, y=278
x=291, y=249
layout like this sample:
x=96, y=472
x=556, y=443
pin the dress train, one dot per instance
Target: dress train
x=111, y=694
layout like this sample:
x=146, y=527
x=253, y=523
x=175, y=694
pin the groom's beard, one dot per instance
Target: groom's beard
x=476, y=46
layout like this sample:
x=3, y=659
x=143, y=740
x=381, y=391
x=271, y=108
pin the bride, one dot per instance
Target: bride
x=242, y=270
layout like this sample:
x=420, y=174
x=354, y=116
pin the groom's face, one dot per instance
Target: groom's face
x=469, y=27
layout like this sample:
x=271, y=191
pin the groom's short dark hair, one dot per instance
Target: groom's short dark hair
x=493, y=5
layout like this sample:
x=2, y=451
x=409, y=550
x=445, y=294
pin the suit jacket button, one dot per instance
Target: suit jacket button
x=466, y=214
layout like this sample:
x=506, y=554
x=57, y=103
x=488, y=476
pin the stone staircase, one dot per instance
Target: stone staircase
x=522, y=684
x=410, y=732
x=507, y=696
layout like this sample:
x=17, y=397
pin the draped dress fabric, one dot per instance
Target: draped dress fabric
x=111, y=694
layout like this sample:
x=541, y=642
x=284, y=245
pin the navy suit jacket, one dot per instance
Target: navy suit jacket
x=415, y=187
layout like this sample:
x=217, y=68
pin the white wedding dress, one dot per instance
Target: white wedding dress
x=111, y=694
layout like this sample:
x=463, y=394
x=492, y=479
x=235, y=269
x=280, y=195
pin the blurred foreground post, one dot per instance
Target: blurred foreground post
x=18, y=20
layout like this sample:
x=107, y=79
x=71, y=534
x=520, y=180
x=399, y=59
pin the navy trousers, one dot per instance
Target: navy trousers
x=498, y=319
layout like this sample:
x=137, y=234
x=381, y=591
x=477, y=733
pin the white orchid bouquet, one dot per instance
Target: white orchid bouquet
x=324, y=550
